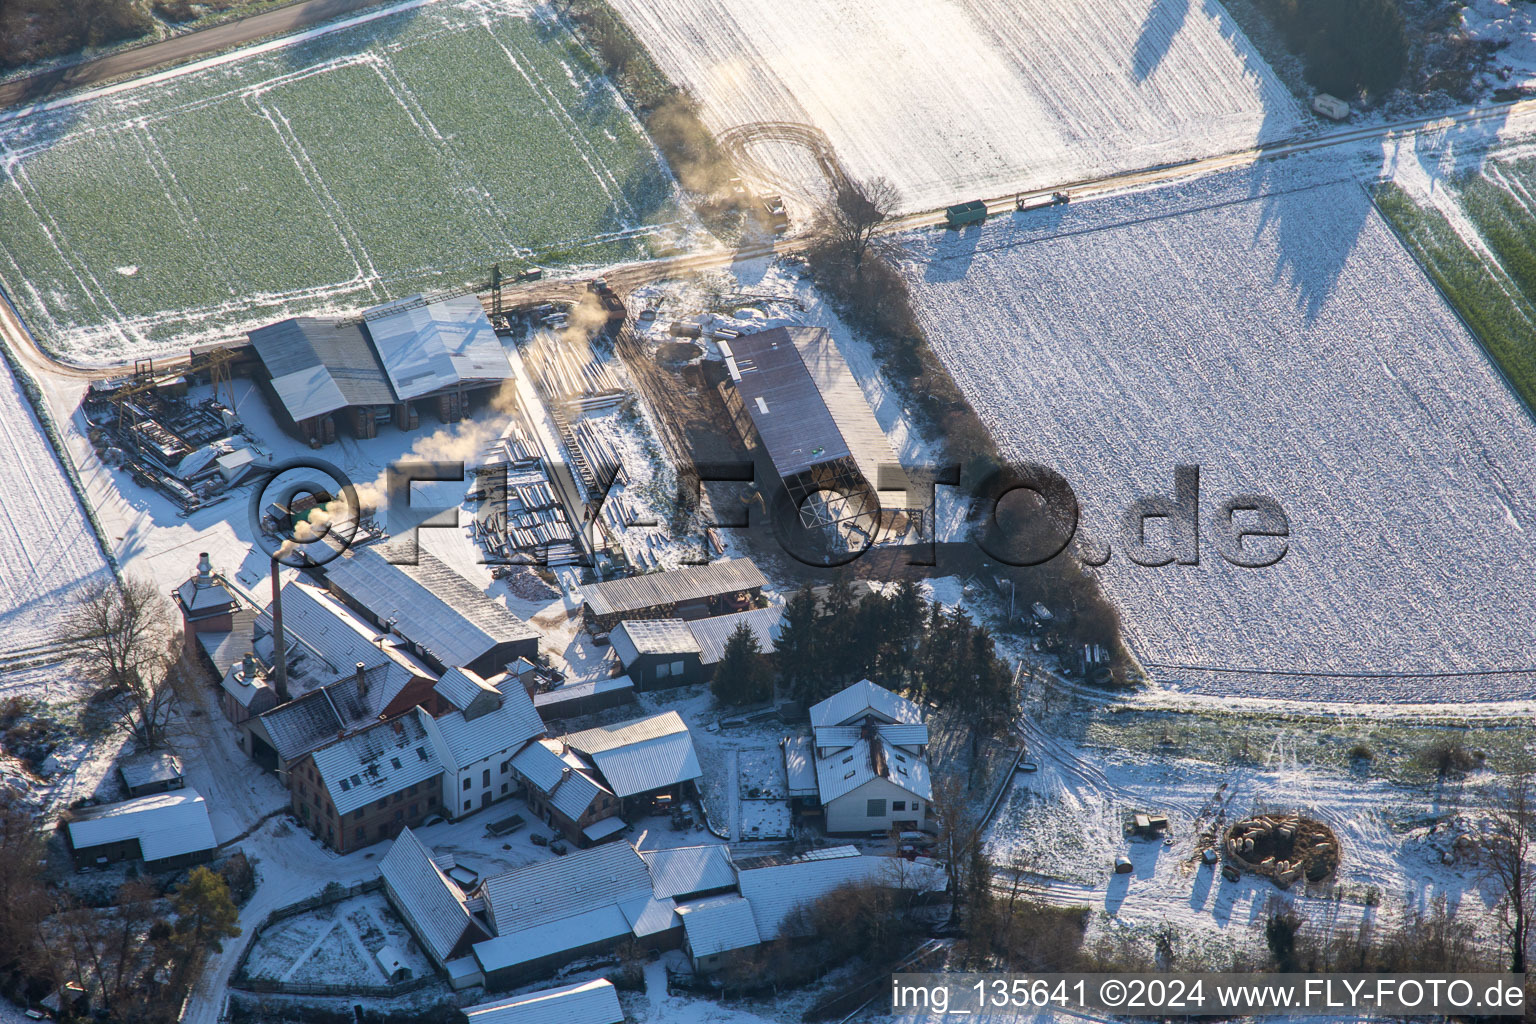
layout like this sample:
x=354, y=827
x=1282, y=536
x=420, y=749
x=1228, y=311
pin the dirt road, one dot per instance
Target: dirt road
x=175, y=50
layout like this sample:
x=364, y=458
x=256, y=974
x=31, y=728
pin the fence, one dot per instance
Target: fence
x=330, y=894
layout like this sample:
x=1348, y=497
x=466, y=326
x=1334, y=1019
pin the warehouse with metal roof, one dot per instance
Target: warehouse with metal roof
x=442, y=348
x=691, y=592
x=689, y=872
x=445, y=619
x=792, y=394
x=314, y=368
x=166, y=830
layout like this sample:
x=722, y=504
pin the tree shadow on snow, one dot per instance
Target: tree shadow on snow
x=1158, y=30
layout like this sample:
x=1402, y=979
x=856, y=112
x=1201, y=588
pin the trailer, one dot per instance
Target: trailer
x=1330, y=107
x=964, y=214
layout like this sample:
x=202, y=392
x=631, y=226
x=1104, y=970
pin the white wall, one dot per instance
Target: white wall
x=850, y=812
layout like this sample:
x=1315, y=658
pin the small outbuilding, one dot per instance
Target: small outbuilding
x=144, y=774
x=591, y=1002
x=166, y=830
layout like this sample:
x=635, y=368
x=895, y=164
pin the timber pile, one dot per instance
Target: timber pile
x=1283, y=848
x=567, y=370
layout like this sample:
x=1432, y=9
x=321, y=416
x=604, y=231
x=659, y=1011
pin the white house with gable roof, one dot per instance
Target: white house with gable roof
x=871, y=761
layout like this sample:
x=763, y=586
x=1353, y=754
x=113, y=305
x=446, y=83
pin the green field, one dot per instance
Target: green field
x=1497, y=300
x=403, y=154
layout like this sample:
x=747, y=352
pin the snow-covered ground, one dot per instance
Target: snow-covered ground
x=1266, y=326
x=336, y=944
x=1512, y=26
x=48, y=552
x=1065, y=823
x=954, y=99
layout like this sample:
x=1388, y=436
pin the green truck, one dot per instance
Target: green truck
x=962, y=214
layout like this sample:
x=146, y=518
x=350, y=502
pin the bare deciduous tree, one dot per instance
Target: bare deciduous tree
x=1507, y=856
x=123, y=635
x=850, y=221
x=959, y=840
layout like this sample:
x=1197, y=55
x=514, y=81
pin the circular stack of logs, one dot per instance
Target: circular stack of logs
x=1283, y=848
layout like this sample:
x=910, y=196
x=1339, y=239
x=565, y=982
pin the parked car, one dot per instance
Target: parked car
x=539, y=839
x=559, y=848
x=600, y=639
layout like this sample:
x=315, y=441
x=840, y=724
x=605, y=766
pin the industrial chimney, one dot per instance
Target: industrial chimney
x=204, y=568
x=279, y=638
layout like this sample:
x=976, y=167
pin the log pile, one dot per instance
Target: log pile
x=1284, y=848
x=566, y=369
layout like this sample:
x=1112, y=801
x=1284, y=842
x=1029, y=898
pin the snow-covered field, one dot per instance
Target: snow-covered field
x=954, y=99
x=1267, y=327
x=1065, y=822
x=403, y=149
x=48, y=553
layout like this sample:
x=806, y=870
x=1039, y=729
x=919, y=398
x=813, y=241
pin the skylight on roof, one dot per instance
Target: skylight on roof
x=421, y=752
x=345, y=785
x=396, y=762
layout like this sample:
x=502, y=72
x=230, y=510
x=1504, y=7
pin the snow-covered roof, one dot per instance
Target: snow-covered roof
x=428, y=900
x=460, y=687
x=508, y=949
x=579, y=691
x=462, y=739
x=564, y=778
x=800, y=766
x=661, y=589
x=564, y=887
x=376, y=762
x=318, y=366
x=900, y=734
x=313, y=719
x=690, y=869
x=650, y=914
x=641, y=755
x=204, y=594
x=635, y=637
x=719, y=924
x=775, y=892
x=428, y=603
x=860, y=699
x=604, y=827
x=316, y=625
x=426, y=347
x=165, y=824
x=711, y=634
x=591, y=1002
x=149, y=769
x=845, y=770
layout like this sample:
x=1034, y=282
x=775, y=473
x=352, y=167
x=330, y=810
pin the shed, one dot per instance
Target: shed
x=313, y=368
x=658, y=653
x=575, y=699
x=166, y=830
x=156, y=772
x=692, y=592
x=715, y=927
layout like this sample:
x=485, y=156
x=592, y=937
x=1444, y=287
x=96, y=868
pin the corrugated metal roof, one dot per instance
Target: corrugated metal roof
x=787, y=408
x=719, y=924
x=430, y=903
x=426, y=348
x=376, y=762
x=641, y=755
x=226, y=649
x=634, y=637
x=657, y=589
x=564, y=780
x=690, y=869
x=856, y=422
x=428, y=603
x=860, y=699
x=604, y=827
x=650, y=915
x=165, y=824
x=460, y=686
x=462, y=741
x=711, y=634
x=553, y=890
x=775, y=892
x=313, y=719
x=318, y=366
x=591, y=1002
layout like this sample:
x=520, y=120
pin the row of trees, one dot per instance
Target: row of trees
x=898, y=639
x=1349, y=45
x=136, y=958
